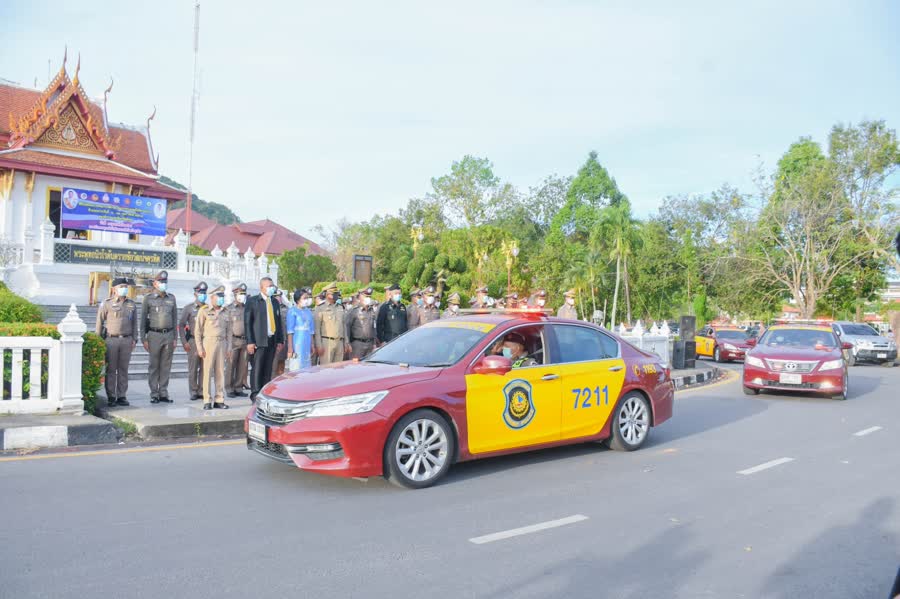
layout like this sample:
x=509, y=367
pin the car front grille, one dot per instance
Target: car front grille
x=275, y=451
x=791, y=365
x=268, y=411
x=770, y=383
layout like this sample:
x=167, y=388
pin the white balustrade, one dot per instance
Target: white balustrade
x=37, y=400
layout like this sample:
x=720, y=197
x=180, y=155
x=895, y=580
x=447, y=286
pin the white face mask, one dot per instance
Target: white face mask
x=429, y=300
x=367, y=301
x=240, y=298
x=122, y=291
x=437, y=304
x=306, y=302
x=570, y=301
x=454, y=308
x=541, y=302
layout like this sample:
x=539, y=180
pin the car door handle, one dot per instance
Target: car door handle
x=549, y=377
x=615, y=368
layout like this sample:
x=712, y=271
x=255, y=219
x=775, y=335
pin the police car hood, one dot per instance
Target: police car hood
x=344, y=378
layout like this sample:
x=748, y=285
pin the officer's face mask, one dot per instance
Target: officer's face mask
x=507, y=353
x=162, y=287
x=437, y=304
x=306, y=302
x=201, y=297
x=429, y=300
x=541, y=302
x=367, y=301
x=220, y=301
x=570, y=301
x=454, y=308
x=397, y=297
x=271, y=290
x=241, y=298
x=419, y=301
x=121, y=291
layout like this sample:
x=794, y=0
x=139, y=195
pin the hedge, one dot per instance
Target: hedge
x=349, y=288
x=93, y=357
x=18, y=309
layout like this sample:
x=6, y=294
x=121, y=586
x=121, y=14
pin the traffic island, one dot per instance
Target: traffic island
x=181, y=419
x=693, y=377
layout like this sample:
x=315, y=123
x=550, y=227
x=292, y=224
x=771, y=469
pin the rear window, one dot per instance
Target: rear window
x=858, y=329
x=581, y=344
x=735, y=335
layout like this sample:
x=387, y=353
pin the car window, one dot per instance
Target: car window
x=859, y=329
x=580, y=344
x=799, y=338
x=534, y=344
x=734, y=335
x=428, y=346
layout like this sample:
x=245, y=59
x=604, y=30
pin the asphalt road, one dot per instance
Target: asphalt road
x=756, y=497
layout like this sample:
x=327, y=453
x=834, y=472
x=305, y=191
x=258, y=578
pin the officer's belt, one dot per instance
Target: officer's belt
x=239, y=336
x=331, y=338
x=118, y=336
x=369, y=340
x=162, y=330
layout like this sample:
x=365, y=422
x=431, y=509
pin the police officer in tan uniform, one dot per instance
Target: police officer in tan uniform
x=427, y=312
x=567, y=310
x=512, y=300
x=330, y=335
x=481, y=298
x=213, y=340
x=236, y=362
x=188, y=339
x=361, y=326
x=452, y=306
x=117, y=324
x=159, y=317
x=538, y=299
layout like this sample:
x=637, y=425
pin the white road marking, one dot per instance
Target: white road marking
x=765, y=466
x=866, y=431
x=517, y=532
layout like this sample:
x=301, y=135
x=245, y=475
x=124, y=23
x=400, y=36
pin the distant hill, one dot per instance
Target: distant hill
x=220, y=213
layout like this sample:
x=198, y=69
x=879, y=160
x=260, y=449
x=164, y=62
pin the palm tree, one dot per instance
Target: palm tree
x=619, y=230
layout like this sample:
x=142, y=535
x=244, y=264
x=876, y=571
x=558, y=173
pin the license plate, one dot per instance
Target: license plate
x=258, y=431
x=882, y=356
x=790, y=379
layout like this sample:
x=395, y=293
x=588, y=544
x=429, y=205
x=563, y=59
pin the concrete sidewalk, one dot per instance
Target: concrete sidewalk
x=183, y=418
x=25, y=431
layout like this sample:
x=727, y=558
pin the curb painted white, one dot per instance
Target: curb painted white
x=35, y=437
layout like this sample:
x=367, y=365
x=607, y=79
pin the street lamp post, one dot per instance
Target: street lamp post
x=415, y=233
x=511, y=250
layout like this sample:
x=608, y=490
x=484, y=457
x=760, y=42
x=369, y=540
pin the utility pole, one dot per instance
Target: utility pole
x=194, y=95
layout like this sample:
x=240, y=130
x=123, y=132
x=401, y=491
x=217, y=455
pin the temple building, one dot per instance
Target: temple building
x=60, y=138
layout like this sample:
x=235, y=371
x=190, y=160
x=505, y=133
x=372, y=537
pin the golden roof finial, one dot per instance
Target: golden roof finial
x=77, y=69
x=151, y=117
x=65, y=57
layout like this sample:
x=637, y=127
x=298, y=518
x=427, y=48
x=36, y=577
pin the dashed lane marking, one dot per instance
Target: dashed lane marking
x=866, y=431
x=765, y=466
x=525, y=530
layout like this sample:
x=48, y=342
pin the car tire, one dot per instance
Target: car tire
x=425, y=462
x=716, y=357
x=846, y=389
x=851, y=359
x=633, y=432
x=751, y=391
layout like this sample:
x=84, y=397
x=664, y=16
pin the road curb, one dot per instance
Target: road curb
x=177, y=430
x=95, y=431
x=693, y=380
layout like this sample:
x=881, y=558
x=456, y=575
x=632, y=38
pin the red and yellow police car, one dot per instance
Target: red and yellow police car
x=463, y=388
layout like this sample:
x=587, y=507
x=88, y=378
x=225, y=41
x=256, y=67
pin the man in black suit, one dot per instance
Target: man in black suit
x=265, y=335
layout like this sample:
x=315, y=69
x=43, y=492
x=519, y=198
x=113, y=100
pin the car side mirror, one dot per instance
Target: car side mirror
x=493, y=365
x=751, y=341
x=846, y=345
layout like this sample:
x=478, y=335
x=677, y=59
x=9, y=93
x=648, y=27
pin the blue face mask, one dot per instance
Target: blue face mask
x=201, y=297
x=339, y=301
x=162, y=287
x=397, y=297
x=220, y=301
x=122, y=291
x=507, y=353
x=419, y=301
x=270, y=291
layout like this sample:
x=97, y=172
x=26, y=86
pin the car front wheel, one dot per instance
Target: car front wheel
x=716, y=357
x=631, y=423
x=751, y=391
x=845, y=391
x=419, y=450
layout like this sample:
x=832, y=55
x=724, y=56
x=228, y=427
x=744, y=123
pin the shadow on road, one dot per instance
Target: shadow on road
x=661, y=567
x=699, y=415
x=857, y=560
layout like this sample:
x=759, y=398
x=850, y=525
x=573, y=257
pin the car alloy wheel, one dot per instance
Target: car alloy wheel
x=716, y=357
x=419, y=449
x=845, y=390
x=631, y=424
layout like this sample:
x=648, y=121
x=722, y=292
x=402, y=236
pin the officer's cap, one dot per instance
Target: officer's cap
x=512, y=296
x=162, y=276
x=201, y=287
x=515, y=338
x=240, y=287
x=366, y=291
x=453, y=299
x=481, y=290
x=541, y=293
x=220, y=290
x=394, y=287
x=570, y=293
x=119, y=281
x=428, y=290
x=471, y=300
x=330, y=288
x=415, y=292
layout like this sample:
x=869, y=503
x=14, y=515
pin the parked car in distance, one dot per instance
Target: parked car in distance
x=723, y=344
x=798, y=357
x=868, y=345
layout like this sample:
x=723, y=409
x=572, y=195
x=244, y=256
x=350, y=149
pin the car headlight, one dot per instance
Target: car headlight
x=344, y=406
x=832, y=364
x=729, y=347
x=865, y=344
x=754, y=362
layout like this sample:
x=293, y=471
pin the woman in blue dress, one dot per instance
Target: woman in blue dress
x=300, y=327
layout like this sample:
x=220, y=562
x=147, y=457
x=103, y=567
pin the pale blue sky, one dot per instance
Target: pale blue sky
x=313, y=111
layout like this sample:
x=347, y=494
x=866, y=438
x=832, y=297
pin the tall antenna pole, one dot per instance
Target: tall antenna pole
x=194, y=95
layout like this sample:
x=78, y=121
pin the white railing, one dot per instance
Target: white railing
x=62, y=392
x=656, y=340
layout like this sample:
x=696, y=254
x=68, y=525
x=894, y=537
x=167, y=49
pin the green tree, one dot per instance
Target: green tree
x=471, y=192
x=298, y=269
x=618, y=229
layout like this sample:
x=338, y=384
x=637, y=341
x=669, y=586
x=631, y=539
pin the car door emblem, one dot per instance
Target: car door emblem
x=519, y=409
x=790, y=366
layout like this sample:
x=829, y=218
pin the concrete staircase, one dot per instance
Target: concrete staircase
x=140, y=360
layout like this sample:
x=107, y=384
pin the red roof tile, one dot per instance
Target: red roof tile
x=177, y=219
x=133, y=150
x=91, y=165
x=272, y=239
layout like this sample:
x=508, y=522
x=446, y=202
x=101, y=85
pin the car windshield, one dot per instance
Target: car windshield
x=429, y=346
x=800, y=338
x=733, y=335
x=858, y=329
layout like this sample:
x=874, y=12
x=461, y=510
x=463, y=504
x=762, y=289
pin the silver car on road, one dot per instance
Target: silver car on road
x=868, y=345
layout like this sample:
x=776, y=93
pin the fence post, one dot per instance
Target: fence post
x=71, y=329
x=47, y=230
x=181, y=245
x=273, y=272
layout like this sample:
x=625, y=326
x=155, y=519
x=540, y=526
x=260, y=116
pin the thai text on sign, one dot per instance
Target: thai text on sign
x=103, y=211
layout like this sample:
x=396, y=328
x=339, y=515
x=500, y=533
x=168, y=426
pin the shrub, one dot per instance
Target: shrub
x=18, y=309
x=93, y=357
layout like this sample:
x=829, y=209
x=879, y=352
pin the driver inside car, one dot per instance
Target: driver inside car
x=514, y=349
